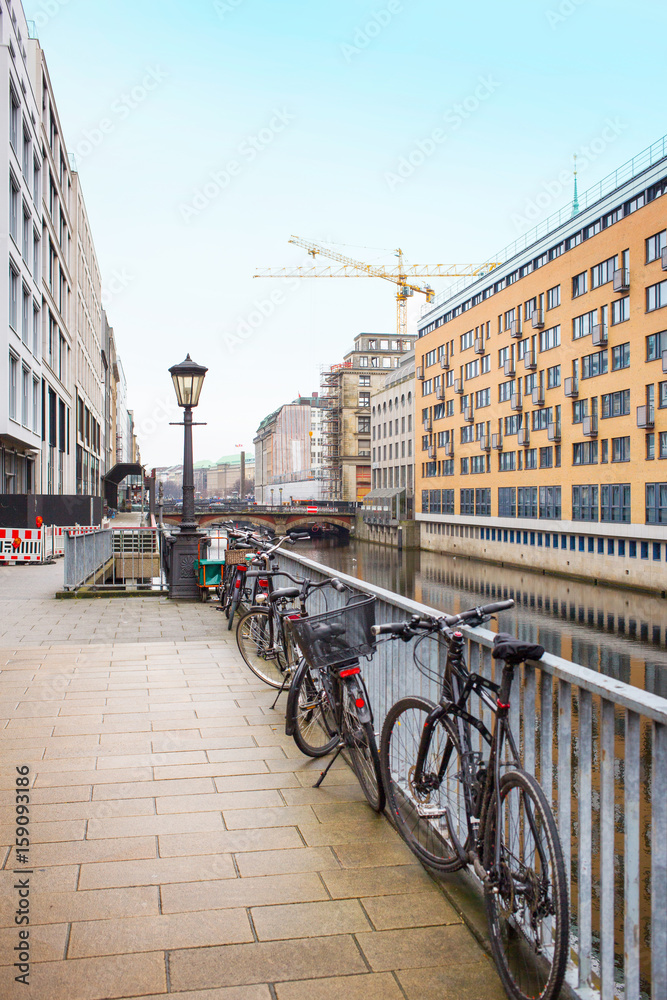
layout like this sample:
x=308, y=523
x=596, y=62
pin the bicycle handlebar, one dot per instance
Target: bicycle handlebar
x=407, y=629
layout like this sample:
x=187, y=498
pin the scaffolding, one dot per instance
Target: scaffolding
x=331, y=392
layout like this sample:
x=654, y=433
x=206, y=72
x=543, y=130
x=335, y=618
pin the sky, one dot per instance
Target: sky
x=208, y=132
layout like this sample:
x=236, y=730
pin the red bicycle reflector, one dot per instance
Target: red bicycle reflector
x=237, y=584
x=294, y=618
x=264, y=584
x=350, y=671
x=359, y=702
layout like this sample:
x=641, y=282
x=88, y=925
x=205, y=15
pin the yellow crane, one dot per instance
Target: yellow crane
x=398, y=274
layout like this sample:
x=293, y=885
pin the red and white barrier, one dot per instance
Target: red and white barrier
x=21, y=545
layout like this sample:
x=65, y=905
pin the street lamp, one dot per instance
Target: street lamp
x=280, y=490
x=272, y=497
x=188, y=379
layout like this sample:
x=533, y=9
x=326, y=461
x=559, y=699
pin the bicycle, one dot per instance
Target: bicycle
x=328, y=706
x=268, y=648
x=437, y=784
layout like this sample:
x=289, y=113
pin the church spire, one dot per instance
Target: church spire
x=575, y=201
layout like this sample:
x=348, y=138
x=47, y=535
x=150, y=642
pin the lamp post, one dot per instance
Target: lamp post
x=272, y=497
x=188, y=379
x=280, y=491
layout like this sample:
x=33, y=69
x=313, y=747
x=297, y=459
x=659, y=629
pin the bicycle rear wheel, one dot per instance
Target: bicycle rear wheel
x=314, y=727
x=528, y=915
x=362, y=750
x=419, y=812
x=260, y=645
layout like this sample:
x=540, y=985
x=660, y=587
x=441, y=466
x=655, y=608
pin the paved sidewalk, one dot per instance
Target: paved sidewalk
x=178, y=846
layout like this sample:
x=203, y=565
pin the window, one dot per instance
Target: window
x=503, y=356
x=471, y=370
x=13, y=208
x=465, y=466
x=363, y=362
x=582, y=326
x=616, y=404
x=526, y=501
x=448, y=501
x=25, y=397
x=467, y=434
x=584, y=503
x=483, y=502
x=13, y=299
x=468, y=502
x=25, y=316
x=542, y=418
x=363, y=425
x=449, y=408
x=36, y=345
x=27, y=232
x=485, y=364
x=505, y=390
x=662, y=395
x=364, y=399
x=620, y=357
x=509, y=318
x=615, y=503
x=546, y=458
x=655, y=245
x=364, y=380
x=620, y=449
x=530, y=458
x=467, y=340
x=14, y=116
x=656, y=503
x=579, y=284
x=594, y=364
x=550, y=502
x=656, y=296
x=553, y=377
x=507, y=461
x=37, y=182
x=620, y=309
x=550, y=338
x=506, y=501
x=662, y=444
x=431, y=358
x=604, y=272
x=512, y=424
x=478, y=463
x=35, y=405
x=13, y=386
x=585, y=453
x=483, y=398
x=553, y=297
x=579, y=410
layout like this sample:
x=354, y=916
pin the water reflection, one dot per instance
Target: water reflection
x=616, y=632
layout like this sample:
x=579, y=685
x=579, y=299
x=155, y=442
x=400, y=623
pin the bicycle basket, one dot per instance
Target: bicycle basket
x=337, y=636
x=236, y=557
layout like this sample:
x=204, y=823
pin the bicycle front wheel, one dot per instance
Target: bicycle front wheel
x=528, y=914
x=314, y=727
x=362, y=750
x=260, y=645
x=419, y=809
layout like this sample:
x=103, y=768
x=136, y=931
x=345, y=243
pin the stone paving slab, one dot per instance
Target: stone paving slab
x=179, y=848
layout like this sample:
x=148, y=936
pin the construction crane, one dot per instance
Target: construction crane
x=398, y=275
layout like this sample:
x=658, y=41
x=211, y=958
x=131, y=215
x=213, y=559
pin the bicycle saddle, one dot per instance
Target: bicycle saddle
x=277, y=595
x=512, y=650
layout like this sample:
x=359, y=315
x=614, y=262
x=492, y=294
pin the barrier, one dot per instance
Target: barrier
x=20, y=545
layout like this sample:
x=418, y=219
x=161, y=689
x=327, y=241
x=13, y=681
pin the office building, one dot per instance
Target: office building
x=288, y=452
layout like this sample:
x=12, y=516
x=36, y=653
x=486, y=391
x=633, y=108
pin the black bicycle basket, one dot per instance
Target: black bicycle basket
x=337, y=636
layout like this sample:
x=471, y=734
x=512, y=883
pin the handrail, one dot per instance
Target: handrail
x=584, y=735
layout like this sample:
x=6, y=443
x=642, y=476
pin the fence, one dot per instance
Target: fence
x=115, y=559
x=599, y=749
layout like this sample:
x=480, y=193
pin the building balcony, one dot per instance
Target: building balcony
x=432, y=454
x=599, y=336
x=444, y=361
x=530, y=361
x=420, y=372
x=484, y=443
x=440, y=392
x=663, y=258
x=479, y=345
x=553, y=430
x=449, y=449
x=590, y=427
x=516, y=402
x=510, y=368
x=537, y=319
x=571, y=387
x=622, y=279
x=515, y=329
x=469, y=414
x=458, y=385
x=524, y=437
x=664, y=361
x=497, y=442
x=538, y=395
x=645, y=416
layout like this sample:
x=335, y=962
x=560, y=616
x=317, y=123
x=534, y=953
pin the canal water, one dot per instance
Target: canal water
x=616, y=632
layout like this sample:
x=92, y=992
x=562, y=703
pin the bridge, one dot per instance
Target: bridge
x=316, y=520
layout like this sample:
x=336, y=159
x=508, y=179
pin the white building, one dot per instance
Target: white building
x=21, y=406
x=289, y=453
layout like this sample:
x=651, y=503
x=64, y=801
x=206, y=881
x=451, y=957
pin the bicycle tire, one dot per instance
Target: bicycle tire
x=530, y=952
x=426, y=835
x=362, y=750
x=258, y=644
x=314, y=726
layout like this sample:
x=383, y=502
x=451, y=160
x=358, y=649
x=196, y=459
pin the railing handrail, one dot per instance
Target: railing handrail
x=643, y=702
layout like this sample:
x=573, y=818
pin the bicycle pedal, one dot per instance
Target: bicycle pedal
x=426, y=813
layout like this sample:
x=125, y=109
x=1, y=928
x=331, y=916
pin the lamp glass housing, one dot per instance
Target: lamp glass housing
x=188, y=379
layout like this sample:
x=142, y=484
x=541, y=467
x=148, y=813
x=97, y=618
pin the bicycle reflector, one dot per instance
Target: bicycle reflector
x=359, y=702
x=350, y=671
x=293, y=618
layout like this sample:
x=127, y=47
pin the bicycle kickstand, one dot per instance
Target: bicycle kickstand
x=284, y=684
x=328, y=767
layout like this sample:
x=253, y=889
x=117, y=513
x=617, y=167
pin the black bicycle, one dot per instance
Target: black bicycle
x=455, y=806
x=327, y=706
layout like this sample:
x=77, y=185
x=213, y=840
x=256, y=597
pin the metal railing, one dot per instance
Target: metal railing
x=599, y=749
x=115, y=559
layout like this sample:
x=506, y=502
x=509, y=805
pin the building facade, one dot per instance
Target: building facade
x=542, y=409
x=21, y=370
x=288, y=452
x=346, y=391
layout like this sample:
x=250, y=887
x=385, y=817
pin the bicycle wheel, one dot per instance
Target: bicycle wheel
x=363, y=752
x=528, y=915
x=260, y=645
x=314, y=727
x=420, y=813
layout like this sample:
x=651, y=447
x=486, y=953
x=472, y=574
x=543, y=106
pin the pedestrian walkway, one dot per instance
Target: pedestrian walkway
x=178, y=845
